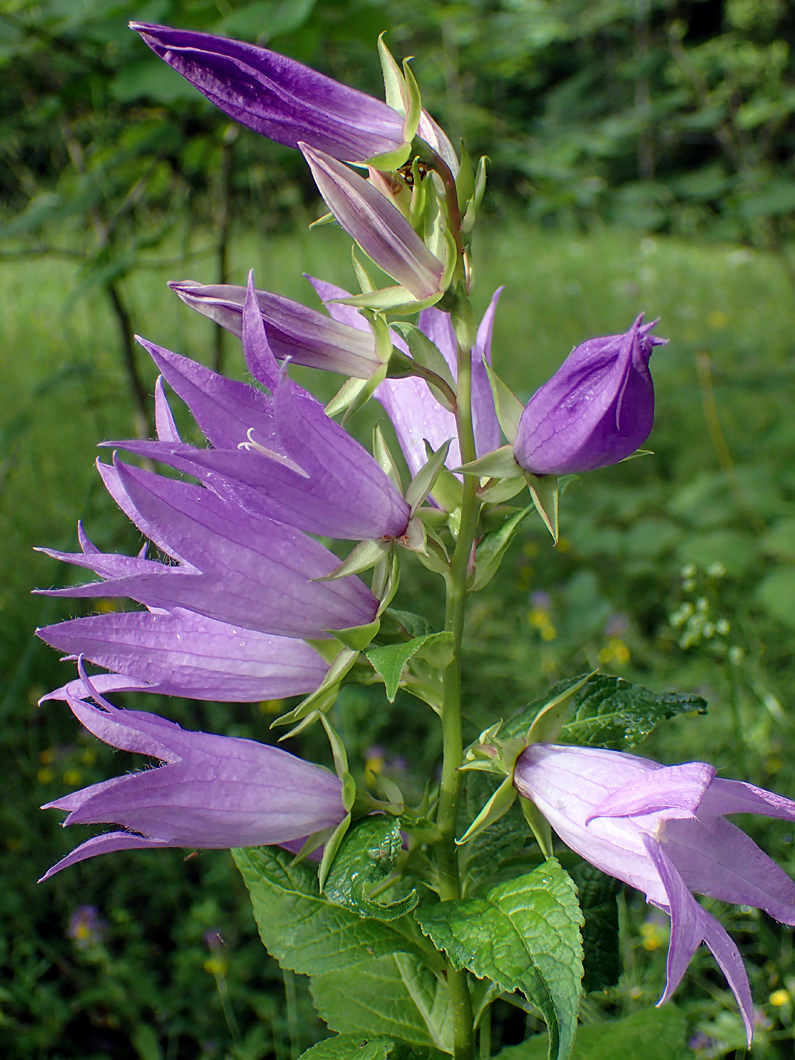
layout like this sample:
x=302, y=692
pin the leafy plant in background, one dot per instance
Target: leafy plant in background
x=413, y=917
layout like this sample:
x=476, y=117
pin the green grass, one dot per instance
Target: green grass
x=610, y=588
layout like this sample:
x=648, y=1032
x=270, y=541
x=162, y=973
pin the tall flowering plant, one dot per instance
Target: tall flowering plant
x=406, y=916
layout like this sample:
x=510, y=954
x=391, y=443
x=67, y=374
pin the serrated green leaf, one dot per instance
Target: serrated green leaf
x=393, y=995
x=600, y=940
x=390, y=660
x=608, y=712
x=653, y=1034
x=304, y=931
x=367, y=856
x=397, y=627
x=524, y=935
x=350, y=1047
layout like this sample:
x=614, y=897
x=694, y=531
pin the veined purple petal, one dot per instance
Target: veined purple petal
x=212, y=791
x=596, y=410
x=242, y=570
x=278, y=97
x=180, y=653
x=672, y=791
x=376, y=225
x=305, y=335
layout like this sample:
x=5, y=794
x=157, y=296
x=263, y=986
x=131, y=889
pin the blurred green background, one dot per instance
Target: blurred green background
x=641, y=160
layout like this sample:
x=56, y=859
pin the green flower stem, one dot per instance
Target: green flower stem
x=449, y=792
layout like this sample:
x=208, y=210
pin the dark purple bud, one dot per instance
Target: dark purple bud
x=596, y=410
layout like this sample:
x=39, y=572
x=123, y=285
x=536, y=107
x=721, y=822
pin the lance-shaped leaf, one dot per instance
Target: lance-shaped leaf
x=524, y=935
x=390, y=660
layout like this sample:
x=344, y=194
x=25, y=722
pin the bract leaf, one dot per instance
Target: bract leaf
x=362, y=557
x=544, y=491
x=390, y=660
x=366, y=856
x=395, y=299
x=507, y=405
x=493, y=547
x=423, y=482
x=499, y=463
x=354, y=393
x=524, y=935
x=424, y=351
x=496, y=807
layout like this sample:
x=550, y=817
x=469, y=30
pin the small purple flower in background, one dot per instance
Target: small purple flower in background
x=86, y=927
x=279, y=97
x=596, y=410
x=662, y=830
x=211, y=792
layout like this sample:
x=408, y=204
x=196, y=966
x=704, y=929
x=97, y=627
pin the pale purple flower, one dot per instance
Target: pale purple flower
x=211, y=791
x=415, y=413
x=377, y=225
x=180, y=653
x=86, y=927
x=596, y=410
x=662, y=830
x=280, y=456
x=305, y=335
x=279, y=97
x=229, y=565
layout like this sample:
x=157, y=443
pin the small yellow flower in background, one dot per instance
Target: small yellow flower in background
x=717, y=319
x=44, y=776
x=374, y=763
x=108, y=606
x=780, y=998
x=614, y=653
x=270, y=706
x=72, y=777
x=216, y=965
x=655, y=932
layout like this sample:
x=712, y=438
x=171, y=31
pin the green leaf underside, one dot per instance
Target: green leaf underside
x=609, y=712
x=358, y=1047
x=653, y=1034
x=304, y=931
x=393, y=995
x=524, y=935
x=390, y=660
x=600, y=939
x=367, y=856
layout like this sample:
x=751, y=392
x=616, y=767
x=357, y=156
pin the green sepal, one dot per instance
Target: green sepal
x=423, y=482
x=390, y=161
x=355, y=393
x=424, y=351
x=465, y=178
x=331, y=848
x=549, y=721
x=500, y=490
x=450, y=262
x=497, y=806
x=396, y=299
x=422, y=199
x=366, y=857
x=322, y=698
x=491, y=550
x=394, y=90
x=499, y=463
x=470, y=214
x=390, y=660
x=362, y=557
x=434, y=556
x=362, y=275
x=340, y=756
x=326, y=219
x=386, y=579
x=448, y=492
x=384, y=459
x=545, y=493
x=412, y=102
x=539, y=825
x=415, y=539
x=357, y=637
x=507, y=405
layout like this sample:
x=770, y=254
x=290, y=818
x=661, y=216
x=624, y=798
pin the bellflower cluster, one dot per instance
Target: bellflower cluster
x=662, y=830
x=247, y=604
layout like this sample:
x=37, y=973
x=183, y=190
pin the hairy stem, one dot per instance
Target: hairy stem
x=449, y=792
